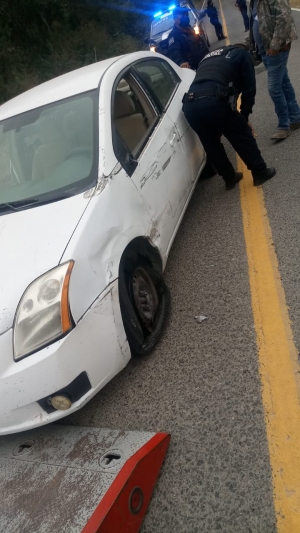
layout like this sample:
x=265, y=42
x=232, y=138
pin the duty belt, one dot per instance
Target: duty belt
x=196, y=95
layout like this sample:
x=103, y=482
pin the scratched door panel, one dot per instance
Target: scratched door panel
x=157, y=164
x=180, y=181
x=192, y=149
x=169, y=87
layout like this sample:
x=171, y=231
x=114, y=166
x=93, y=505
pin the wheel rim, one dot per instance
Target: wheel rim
x=145, y=297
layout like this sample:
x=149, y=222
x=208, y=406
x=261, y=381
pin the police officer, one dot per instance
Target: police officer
x=213, y=15
x=210, y=109
x=186, y=48
x=242, y=5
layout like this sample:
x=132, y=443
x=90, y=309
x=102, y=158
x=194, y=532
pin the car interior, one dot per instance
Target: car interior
x=134, y=114
x=52, y=148
x=74, y=138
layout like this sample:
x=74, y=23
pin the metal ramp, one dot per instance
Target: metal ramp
x=69, y=479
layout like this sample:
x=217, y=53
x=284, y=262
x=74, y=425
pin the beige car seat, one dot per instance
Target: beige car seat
x=130, y=125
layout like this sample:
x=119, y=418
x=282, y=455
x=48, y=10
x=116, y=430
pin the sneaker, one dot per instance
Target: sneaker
x=294, y=126
x=279, y=135
x=222, y=37
x=260, y=177
x=232, y=183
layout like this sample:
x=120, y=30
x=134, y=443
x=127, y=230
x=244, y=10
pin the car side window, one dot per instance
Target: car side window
x=159, y=77
x=134, y=117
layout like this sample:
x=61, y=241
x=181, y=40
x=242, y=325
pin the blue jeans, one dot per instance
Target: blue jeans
x=281, y=90
x=245, y=17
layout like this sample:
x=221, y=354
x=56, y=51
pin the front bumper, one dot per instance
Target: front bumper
x=97, y=347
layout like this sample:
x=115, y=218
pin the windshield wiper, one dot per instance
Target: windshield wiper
x=16, y=206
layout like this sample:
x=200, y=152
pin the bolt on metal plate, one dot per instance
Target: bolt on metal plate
x=23, y=448
x=110, y=459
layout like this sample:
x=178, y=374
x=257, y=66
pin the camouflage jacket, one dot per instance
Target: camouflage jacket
x=276, y=24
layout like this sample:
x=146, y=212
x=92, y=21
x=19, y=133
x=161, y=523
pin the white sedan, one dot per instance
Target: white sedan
x=96, y=170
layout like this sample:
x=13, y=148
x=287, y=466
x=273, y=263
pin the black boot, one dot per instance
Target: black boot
x=263, y=175
x=221, y=37
x=230, y=184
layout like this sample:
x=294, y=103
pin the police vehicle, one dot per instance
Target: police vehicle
x=163, y=23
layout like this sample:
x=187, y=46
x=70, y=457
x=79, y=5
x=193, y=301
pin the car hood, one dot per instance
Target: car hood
x=32, y=242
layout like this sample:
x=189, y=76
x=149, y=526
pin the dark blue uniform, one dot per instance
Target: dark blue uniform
x=242, y=5
x=209, y=108
x=212, y=12
x=184, y=46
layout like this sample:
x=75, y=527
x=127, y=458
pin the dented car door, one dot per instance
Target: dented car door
x=168, y=89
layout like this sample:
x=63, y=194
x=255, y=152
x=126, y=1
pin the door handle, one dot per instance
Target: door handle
x=172, y=140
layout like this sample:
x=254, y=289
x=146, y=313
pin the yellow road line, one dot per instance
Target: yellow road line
x=278, y=357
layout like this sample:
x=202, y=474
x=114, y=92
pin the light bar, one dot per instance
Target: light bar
x=157, y=14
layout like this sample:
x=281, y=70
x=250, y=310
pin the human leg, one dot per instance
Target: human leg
x=219, y=30
x=276, y=68
x=238, y=133
x=245, y=18
x=214, y=23
x=289, y=93
x=201, y=117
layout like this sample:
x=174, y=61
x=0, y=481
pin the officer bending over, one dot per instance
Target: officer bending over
x=210, y=109
x=186, y=48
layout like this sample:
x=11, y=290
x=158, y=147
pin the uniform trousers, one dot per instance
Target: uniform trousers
x=210, y=119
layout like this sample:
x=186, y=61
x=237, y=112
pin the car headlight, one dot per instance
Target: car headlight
x=43, y=314
x=152, y=48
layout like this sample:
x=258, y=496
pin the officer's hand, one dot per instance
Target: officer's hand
x=252, y=130
x=272, y=52
x=185, y=65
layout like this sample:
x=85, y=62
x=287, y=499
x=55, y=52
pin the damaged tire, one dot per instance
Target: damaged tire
x=145, y=305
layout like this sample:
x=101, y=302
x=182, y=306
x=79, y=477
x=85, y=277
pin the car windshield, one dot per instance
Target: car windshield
x=165, y=24
x=48, y=153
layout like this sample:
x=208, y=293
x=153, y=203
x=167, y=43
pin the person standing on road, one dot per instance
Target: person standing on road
x=272, y=31
x=242, y=5
x=210, y=109
x=186, y=48
x=213, y=15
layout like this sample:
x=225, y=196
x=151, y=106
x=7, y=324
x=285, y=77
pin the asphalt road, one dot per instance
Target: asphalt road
x=202, y=383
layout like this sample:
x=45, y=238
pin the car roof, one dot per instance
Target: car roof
x=75, y=82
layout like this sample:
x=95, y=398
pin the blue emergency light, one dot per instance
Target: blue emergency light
x=159, y=13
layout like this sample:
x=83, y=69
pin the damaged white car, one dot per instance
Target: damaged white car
x=96, y=170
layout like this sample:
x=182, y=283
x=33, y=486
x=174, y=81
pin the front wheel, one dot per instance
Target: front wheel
x=145, y=305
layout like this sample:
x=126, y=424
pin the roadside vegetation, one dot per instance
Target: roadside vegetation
x=41, y=39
